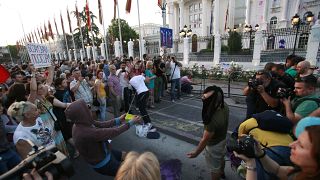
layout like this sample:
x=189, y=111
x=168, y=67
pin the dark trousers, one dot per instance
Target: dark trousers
x=186, y=88
x=142, y=100
x=127, y=98
x=111, y=168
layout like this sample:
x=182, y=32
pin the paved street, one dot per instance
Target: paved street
x=181, y=128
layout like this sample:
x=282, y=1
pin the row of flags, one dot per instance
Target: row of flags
x=43, y=33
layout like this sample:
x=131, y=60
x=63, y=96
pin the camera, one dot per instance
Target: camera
x=43, y=159
x=245, y=145
x=254, y=83
x=285, y=93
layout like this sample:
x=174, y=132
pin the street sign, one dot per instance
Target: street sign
x=166, y=38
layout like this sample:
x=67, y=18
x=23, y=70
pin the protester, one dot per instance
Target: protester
x=305, y=154
x=123, y=73
x=282, y=76
x=81, y=88
x=291, y=65
x=91, y=137
x=139, y=166
x=159, y=69
x=303, y=68
x=175, y=79
x=9, y=124
x=150, y=84
x=215, y=117
x=186, y=84
x=101, y=95
x=114, y=90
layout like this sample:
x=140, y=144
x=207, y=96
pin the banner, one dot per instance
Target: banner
x=39, y=55
x=88, y=15
x=166, y=38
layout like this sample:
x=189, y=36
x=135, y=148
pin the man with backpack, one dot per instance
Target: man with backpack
x=306, y=100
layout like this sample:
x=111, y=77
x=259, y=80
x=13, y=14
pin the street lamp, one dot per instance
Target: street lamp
x=296, y=22
x=185, y=32
x=250, y=30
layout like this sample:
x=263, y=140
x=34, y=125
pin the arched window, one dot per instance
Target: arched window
x=273, y=22
x=270, y=42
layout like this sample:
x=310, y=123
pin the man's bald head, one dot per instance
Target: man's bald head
x=303, y=67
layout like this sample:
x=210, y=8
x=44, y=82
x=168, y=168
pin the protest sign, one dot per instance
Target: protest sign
x=39, y=55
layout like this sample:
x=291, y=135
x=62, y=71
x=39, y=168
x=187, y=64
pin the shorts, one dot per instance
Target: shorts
x=214, y=156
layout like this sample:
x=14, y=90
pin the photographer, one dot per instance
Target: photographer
x=305, y=153
x=261, y=93
x=282, y=76
x=91, y=137
x=175, y=78
x=306, y=100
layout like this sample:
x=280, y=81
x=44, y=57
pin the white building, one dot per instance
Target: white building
x=201, y=17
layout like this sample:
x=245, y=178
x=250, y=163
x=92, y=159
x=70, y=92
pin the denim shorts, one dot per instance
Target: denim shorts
x=111, y=168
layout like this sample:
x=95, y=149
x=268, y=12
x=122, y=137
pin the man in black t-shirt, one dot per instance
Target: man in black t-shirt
x=263, y=96
x=159, y=67
x=282, y=76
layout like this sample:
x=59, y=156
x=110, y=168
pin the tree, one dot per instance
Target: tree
x=234, y=42
x=126, y=31
x=13, y=50
x=87, y=36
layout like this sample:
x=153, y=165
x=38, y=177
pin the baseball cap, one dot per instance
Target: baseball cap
x=306, y=122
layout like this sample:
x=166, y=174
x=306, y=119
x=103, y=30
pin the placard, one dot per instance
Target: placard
x=39, y=54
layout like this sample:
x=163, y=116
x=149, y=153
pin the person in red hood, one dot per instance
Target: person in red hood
x=91, y=137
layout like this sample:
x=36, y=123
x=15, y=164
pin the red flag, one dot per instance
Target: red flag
x=55, y=24
x=128, y=6
x=77, y=16
x=70, y=28
x=100, y=12
x=160, y=3
x=45, y=32
x=88, y=15
x=4, y=74
x=50, y=29
x=114, y=9
x=62, y=23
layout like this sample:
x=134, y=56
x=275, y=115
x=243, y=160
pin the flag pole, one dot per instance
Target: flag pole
x=74, y=44
x=93, y=46
x=80, y=28
x=120, y=35
x=105, y=41
x=65, y=36
x=24, y=33
x=140, y=35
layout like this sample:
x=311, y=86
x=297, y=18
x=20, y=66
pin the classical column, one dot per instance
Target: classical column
x=248, y=9
x=313, y=44
x=75, y=54
x=170, y=11
x=284, y=9
x=298, y=2
x=217, y=36
x=176, y=20
x=205, y=13
x=70, y=54
x=117, y=47
x=181, y=6
x=257, y=48
x=88, y=53
x=81, y=55
x=231, y=14
x=264, y=23
x=103, y=50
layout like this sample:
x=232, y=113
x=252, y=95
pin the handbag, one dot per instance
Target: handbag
x=95, y=101
x=170, y=80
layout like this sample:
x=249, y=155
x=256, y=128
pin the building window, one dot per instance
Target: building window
x=200, y=25
x=196, y=7
x=303, y=41
x=196, y=18
x=194, y=25
x=200, y=6
x=191, y=19
x=273, y=22
x=276, y=3
x=191, y=8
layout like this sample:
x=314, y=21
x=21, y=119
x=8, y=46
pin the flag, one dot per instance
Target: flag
x=88, y=15
x=4, y=74
x=70, y=28
x=29, y=38
x=62, y=23
x=77, y=16
x=45, y=32
x=160, y=3
x=35, y=35
x=55, y=24
x=50, y=29
x=39, y=35
x=32, y=37
x=100, y=12
x=128, y=6
x=42, y=35
x=114, y=9
x=226, y=20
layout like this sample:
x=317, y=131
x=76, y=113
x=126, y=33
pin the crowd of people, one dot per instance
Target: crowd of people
x=68, y=103
x=57, y=104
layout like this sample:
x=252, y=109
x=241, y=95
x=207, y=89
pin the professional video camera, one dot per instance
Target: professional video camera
x=245, y=145
x=285, y=93
x=42, y=159
x=254, y=83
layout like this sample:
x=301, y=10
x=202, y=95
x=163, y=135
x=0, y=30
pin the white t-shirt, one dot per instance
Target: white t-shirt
x=123, y=81
x=138, y=83
x=176, y=68
x=38, y=134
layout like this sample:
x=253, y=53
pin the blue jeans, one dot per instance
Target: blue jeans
x=111, y=168
x=102, y=109
x=175, y=83
x=9, y=159
x=283, y=160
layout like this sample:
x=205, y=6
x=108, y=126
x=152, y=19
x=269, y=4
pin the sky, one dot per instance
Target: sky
x=31, y=14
